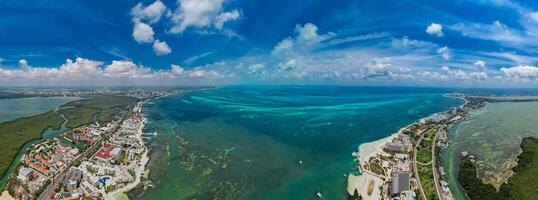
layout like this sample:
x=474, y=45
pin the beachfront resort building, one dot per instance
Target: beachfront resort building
x=108, y=152
x=400, y=183
x=394, y=147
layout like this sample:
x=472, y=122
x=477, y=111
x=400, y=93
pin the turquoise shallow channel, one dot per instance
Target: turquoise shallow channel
x=272, y=142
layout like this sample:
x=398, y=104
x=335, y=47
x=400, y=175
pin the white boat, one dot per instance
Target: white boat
x=320, y=196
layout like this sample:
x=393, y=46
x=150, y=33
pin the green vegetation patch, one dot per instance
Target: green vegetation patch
x=14, y=134
x=101, y=108
x=424, y=156
x=425, y=174
x=424, y=164
x=522, y=185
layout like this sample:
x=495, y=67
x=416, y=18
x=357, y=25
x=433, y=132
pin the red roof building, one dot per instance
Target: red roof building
x=104, y=152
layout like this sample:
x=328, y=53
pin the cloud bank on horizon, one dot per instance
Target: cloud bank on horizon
x=201, y=42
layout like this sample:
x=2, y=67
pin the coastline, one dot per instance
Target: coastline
x=437, y=123
x=139, y=170
x=143, y=161
x=494, y=171
x=362, y=182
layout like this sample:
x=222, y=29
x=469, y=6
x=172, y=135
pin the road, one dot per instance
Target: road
x=415, y=164
x=49, y=190
x=434, y=168
x=47, y=193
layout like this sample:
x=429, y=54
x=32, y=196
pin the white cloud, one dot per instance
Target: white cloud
x=176, y=70
x=288, y=66
x=511, y=57
x=256, y=69
x=161, y=48
x=90, y=72
x=458, y=74
x=480, y=64
x=308, y=33
x=201, y=73
x=355, y=38
x=23, y=64
x=498, y=32
x=126, y=69
x=152, y=13
x=305, y=38
x=200, y=14
x=375, y=67
x=445, y=68
x=520, y=72
x=405, y=42
x=444, y=52
x=478, y=75
x=435, y=29
x=225, y=17
x=197, y=57
x=284, y=47
x=378, y=64
x=534, y=16
x=142, y=32
x=81, y=68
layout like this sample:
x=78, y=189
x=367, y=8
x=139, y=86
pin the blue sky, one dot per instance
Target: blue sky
x=488, y=43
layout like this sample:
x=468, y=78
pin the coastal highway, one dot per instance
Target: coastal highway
x=433, y=165
x=434, y=168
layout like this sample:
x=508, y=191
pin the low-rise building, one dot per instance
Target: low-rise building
x=89, y=189
x=104, y=153
x=407, y=195
x=115, y=153
x=25, y=173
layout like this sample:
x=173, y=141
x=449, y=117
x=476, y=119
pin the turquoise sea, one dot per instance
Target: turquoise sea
x=272, y=142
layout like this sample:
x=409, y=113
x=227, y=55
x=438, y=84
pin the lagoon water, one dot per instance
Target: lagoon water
x=493, y=134
x=11, y=109
x=272, y=142
x=23, y=107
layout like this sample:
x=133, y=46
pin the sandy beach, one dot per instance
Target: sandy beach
x=5, y=196
x=373, y=148
x=361, y=182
